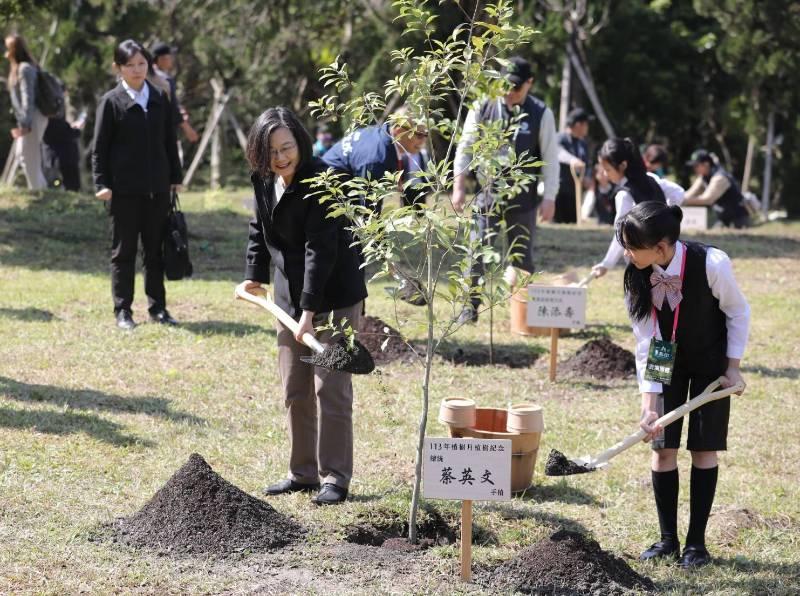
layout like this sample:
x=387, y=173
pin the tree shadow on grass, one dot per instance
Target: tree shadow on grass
x=89, y=399
x=551, y=520
x=560, y=492
x=27, y=314
x=782, y=372
x=231, y=328
x=67, y=423
x=785, y=578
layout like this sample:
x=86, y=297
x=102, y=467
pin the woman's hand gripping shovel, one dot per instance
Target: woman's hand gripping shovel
x=338, y=357
x=559, y=465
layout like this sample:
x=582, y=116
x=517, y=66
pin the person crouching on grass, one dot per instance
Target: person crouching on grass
x=135, y=166
x=685, y=294
x=316, y=274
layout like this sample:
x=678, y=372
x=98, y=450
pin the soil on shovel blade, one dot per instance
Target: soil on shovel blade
x=602, y=359
x=374, y=332
x=568, y=563
x=559, y=465
x=198, y=511
x=339, y=356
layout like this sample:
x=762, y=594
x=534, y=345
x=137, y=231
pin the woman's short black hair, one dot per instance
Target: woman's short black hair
x=127, y=50
x=258, y=148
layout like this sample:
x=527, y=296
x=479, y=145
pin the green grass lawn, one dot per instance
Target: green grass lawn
x=93, y=421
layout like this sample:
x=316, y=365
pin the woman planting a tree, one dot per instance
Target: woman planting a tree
x=691, y=323
x=316, y=274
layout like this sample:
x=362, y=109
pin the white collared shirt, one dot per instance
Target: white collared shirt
x=141, y=97
x=280, y=187
x=624, y=202
x=731, y=302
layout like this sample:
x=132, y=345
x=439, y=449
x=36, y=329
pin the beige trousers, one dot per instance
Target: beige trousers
x=29, y=150
x=319, y=408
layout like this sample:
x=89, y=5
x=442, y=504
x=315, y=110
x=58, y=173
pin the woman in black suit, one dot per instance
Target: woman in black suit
x=135, y=166
x=316, y=274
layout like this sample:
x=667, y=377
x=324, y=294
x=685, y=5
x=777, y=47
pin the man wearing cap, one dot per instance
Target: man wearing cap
x=163, y=63
x=536, y=135
x=716, y=188
x=572, y=152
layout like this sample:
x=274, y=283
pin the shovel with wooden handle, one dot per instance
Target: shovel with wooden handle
x=362, y=365
x=577, y=177
x=559, y=465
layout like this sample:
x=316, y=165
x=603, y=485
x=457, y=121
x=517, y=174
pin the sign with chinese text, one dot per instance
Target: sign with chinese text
x=694, y=218
x=467, y=469
x=559, y=307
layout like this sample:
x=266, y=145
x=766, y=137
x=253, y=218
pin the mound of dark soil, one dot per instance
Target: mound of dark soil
x=512, y=356
x=602, y=359
x=568, y=563
x=198, y=511
x=340, y=356
x=374, y=332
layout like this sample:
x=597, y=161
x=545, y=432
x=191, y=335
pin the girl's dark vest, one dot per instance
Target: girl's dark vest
x=527, y=139
x=702, y=334
x=655, y=194
x=730, y=206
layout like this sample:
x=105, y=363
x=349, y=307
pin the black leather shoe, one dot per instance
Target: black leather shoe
x=163, y=317
x=468, y=316
x=661, y=549
x=330, y=494
x=125, y=320
x=694, y=555
x=289, y=486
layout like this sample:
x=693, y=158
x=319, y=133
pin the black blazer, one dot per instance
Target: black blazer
x=316, y=268
x=135, y=152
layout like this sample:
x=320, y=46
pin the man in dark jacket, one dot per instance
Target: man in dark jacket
x=163, y=65
x=573, y=152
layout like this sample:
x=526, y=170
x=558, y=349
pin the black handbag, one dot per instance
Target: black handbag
x=177, y=264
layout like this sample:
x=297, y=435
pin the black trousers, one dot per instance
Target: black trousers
x=565, y=205
x=521, y=228
x=132, y=217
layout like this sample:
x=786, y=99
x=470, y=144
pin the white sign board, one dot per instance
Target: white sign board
x=467, y=469
x=694, y=218
x=559, y=307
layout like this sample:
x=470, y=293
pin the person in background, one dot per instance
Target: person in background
x=685, y=291
x=163, y=66
x=324, y=140
x=537, y=136
x=31, y=123
x=135, y=166
x=625, y=168
x=316, y=276
x=716, y=188
x=573, y=152
x=62, y=141
x=599, y=200
x=656, y=159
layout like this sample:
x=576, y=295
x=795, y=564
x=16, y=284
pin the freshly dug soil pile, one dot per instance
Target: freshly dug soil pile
x=338, y=356
x=374, y=332
x=559, y=465
x=517, y=356
x=602, y=359
x=388, y=529
x=568, y=563
x=198, y=511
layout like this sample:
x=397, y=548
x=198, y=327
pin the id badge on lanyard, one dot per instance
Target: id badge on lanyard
x=661, y=355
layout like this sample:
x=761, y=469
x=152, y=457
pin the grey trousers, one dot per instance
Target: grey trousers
x=521, y=230
x=319, y=408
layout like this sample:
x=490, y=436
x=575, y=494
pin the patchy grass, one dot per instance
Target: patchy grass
x=93, y=421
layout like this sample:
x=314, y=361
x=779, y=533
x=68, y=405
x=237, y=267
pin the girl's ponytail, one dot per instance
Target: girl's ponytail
x=644, y=226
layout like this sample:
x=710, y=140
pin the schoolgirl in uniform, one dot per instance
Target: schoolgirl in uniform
x=135, y=165
x=688, y=312
x=623, y=163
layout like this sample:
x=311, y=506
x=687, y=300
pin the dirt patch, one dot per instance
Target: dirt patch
x=559, y=464
x=374, y=332
x=404, y=546
x=339, y=356
x=601, y=359
x=512, y=356
x=725, y=524
x=568, y=563
x=387, y=529
x=198, y=511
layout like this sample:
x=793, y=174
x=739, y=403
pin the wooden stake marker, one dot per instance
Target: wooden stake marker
x=467, y=470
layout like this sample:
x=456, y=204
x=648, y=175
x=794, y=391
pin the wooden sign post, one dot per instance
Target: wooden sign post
x=556, y=307
x=467, y=470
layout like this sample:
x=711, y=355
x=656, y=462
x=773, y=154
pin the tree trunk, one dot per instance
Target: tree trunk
x=768, y=161
x=588, y=86
x=566, y=81
x=748, y=162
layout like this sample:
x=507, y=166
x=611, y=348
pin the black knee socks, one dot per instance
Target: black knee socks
x=665, y=489
x=704, y=486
